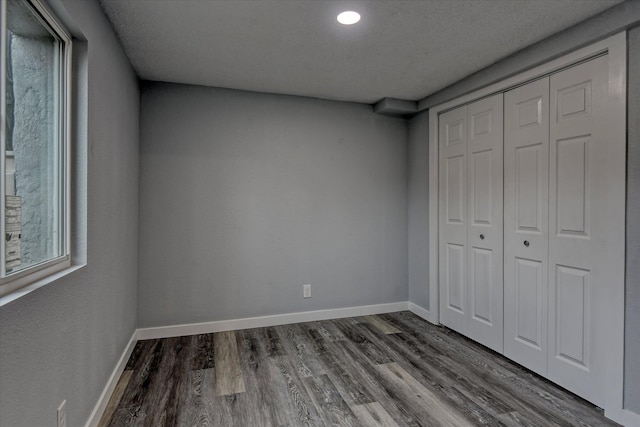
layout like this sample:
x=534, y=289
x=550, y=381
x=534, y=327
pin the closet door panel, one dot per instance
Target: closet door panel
x=580, y=203
x=453, y=218
x=485, y=224
x=526, y=175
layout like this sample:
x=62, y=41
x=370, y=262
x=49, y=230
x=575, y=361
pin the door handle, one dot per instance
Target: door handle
x=482, y=237
x=526, y=243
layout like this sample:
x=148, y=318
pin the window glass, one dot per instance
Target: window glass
x=33, y=145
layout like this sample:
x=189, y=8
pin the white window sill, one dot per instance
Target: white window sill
x=6, y=299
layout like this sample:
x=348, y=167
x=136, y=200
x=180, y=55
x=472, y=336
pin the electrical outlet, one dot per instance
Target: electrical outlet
x=307, y=291
x=62, y=414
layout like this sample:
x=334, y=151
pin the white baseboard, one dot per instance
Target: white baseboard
x=423, y=312
x=95, y=416
x=263, y=321
x=624, y=417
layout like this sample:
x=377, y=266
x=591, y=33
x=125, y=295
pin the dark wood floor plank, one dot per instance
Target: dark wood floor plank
x=374, y=415
x=297, y=350
x=342, y=370
x=488, y=389
x=366, y=346
x=294, y=393
x=130, y=410
x=140, y=349
x=477, y=366
x=168, y=389
x=383, y=392
x=203, y=352
x=328, y=331
x=332, y=408
x=384, y=370
x=438, y=376
x=439, y=373
x=199, y=409
x=430, y=408
x=258, y=381
x=272, y=342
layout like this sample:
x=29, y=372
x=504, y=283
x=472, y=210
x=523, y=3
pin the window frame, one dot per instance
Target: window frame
x=15, y=281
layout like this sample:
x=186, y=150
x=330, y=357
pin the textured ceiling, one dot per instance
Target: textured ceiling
x=400, y=49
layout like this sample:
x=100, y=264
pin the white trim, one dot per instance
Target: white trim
x=617, y=110
x=33, y=274
x=263, y=321
x=616, y=48
x=626, y=418
x=14, y=285
x=434, y=237
x=52, y=277
x=423, y=312
x=103, y=401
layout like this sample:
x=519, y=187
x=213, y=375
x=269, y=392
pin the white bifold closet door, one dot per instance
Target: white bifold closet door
x=526, y=224
x=582, y=249
x=471, y=210
x=559, y=250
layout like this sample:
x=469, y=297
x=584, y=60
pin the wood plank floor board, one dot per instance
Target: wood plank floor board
x=438, y=341
x=392, y=369
x=271, y=341
x=477, y=413
x=139, y=351
x=130, y=409
x=306, y=413
x=425, y=402
x=203, y=352
x=374, y=415
x=168, y=388
x=385, y=392
x=328, y=331
x=443, y=373
x=382, y=325
x=229, y=379
x=436, y=375
x=490, y=391
x=198, y=409
x=342, y=370
x=258, y=381
x=298, y=351
x=331, y=407
x=559, y=408
x=371, y=349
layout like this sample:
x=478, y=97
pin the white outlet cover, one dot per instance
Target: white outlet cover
x=307, y=291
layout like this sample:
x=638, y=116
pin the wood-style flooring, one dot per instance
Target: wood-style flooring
x=385, y=370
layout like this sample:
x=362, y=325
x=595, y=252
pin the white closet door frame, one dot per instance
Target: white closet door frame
x=616, y=47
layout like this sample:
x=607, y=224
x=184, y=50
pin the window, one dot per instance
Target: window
x=34, y=127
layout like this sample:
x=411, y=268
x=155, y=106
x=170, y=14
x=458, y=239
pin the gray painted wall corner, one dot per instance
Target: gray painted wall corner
x=418, y=187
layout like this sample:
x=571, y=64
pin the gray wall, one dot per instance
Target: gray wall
x=63, y=341
x=419, y=210
x=632, y=336
x=246, y=196
x=617, y=19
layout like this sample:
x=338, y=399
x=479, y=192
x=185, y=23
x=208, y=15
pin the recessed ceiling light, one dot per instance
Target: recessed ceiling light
x=348, y=17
